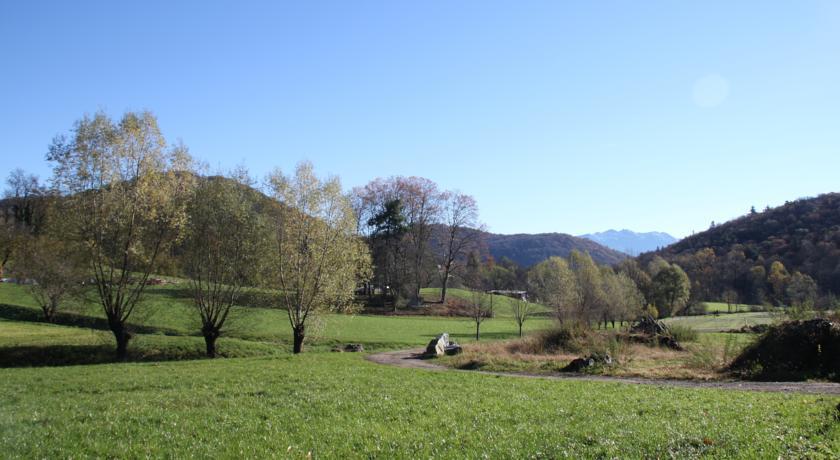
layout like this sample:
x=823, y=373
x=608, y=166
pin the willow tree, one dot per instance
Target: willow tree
x=226, y=238
x=124, y=195
x=319, y=257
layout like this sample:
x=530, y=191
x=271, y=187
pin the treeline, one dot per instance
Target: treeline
x=782, y=256
x=123, y=203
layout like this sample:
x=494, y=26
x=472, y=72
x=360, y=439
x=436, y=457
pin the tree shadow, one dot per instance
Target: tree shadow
x=18, y=313
x=69, y=355
x=486, y=335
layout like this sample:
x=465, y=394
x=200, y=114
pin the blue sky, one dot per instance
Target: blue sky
x=558, y=116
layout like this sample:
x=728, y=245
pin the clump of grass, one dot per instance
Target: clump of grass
x=564, y=337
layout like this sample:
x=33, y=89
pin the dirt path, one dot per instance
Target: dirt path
x=411, y=359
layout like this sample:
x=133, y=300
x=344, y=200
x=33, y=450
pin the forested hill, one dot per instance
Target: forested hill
x=527, y=250
x=804, y=235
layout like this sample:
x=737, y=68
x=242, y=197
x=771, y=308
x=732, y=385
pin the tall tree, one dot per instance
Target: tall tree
x=125, y=193
x=226, y=238
x=590, y=288
x=460, y=233
x=553, y=283
x=388, y=229
x=319, y=257
x=671, y=289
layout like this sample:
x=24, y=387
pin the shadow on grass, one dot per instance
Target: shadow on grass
x=485, y=335
x=66, y=355
x=18, y=313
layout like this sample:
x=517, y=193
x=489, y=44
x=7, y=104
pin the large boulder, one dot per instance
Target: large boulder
x=437, y=346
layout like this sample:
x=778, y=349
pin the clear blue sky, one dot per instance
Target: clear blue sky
x=558, y=116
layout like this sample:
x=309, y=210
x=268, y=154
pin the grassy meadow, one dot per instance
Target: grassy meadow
x=261, y=401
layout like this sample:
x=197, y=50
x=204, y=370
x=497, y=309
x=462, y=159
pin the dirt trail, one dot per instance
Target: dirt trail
x=411, y=359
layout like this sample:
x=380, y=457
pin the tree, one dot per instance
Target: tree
x=54, y=270
x=420, y=203
x=460, y=233
x=778, y=278
x=522, y=310
x=480, y=308
x=388, y=231
x=553, y=283
x=22, y=215
x=319, y=256
x=226, y=237
x=802, y=290
x=590, y=289
x=671, y=288
x=124, y=197
x=730, y=296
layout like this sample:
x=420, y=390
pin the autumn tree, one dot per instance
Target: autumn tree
x=553, y=284
x=801, y=290
x=318, y=256
x=55, y=271
x=460, y=232
x=124, y=196
x=778, y=278
x=589, y=284
x=226, y=238
x=671, y=288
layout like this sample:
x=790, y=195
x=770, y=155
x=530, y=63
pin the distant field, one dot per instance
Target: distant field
x=722, y=307
x=722, y=323
x=503, y=304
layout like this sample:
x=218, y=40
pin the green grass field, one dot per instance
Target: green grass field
x=340, y=406
x=722, y=323
x=261, y=401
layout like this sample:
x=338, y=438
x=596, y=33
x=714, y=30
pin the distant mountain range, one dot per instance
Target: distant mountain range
x=630, y=242
x=527, y=250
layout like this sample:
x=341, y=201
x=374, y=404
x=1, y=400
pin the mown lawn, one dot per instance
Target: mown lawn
x=339, y=406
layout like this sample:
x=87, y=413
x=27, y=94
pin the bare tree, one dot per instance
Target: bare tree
x=319, y=256
x=522, y=310
x=460, y=233
x=226, y=239
x=481, y=308
x=730, y=296
x=125, y=193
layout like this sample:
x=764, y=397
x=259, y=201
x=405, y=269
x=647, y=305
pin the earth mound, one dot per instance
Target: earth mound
x=793, y=350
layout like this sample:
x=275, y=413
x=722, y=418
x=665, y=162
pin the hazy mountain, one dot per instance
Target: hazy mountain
x=527, y=250
x=630, y=242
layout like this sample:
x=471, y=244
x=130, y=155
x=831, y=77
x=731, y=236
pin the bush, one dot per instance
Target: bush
x=683, y=333
x=568, y=336
x=695, y=309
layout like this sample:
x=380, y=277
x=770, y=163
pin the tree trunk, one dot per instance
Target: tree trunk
x=477, y=325
x=210, y=343
x=299, y=333
x=520, y=329
x=122, y=336
x=443, y=289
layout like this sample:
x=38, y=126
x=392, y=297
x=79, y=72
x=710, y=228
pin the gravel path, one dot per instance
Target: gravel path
x=412, y=359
